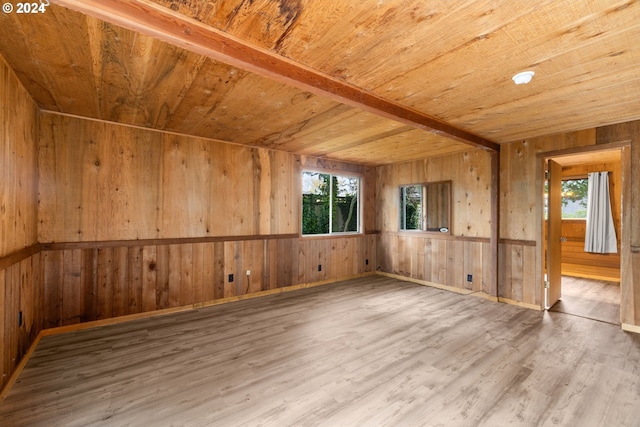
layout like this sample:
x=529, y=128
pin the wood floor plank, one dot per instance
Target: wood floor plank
x=590, y=298
x=371, y=351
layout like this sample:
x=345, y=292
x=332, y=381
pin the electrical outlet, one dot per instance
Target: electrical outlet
x=20, y=318
x=319, y=267
x=230, y=278
x=469, y=278
x=248, y=272
x=366, y=262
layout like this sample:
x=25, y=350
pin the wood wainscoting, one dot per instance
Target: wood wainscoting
x=85, y=281
x=517, y=275
x=438, y=259
x=21, y=300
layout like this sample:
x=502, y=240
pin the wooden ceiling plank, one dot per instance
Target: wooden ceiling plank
x=164, y=24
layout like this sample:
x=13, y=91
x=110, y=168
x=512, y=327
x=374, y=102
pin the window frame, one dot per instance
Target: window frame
x=424, y=208
x=332, y=174
x=571, y=178
x=403, y=207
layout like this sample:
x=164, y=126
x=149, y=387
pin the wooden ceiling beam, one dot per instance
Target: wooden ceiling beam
x=148, y=18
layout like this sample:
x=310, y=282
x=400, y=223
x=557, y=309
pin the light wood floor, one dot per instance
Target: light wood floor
x=593, y=299
x=368, y=352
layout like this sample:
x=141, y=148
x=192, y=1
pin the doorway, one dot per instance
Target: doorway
x=578, y=282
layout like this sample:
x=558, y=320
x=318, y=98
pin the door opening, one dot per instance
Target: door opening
x=578, y=282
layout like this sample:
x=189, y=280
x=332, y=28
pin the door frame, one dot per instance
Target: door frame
x=543, y=157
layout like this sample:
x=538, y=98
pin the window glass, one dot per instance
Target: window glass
x=330, y=203
x=411, y=207
x=345, y=204
x=574, y=198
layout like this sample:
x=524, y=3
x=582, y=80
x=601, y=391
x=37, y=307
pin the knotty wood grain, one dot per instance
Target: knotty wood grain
x=371, y=351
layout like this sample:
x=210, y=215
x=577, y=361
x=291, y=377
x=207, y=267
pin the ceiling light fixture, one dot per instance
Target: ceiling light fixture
x=523, y=78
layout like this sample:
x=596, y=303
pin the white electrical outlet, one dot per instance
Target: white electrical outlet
x=248, y=272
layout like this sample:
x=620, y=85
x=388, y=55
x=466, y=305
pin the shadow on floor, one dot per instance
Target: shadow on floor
x=592, y=299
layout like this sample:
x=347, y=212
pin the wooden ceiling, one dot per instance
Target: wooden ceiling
x=450, y=61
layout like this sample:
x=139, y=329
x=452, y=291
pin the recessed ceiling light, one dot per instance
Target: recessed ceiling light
x=523, y=78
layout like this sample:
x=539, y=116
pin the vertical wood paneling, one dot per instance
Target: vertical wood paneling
x=72, y=304
x=516, y=272
x=198, y=272
x=219, y=273
x=5, y=370
x=530, y=290
x=210, y=272
x=38, y=300
x=629, y=132
x=488, y=263
x=271, y=265
x=439, y=262
x=90, y=284
x=121, y=277
x=12, y=300
x=186, y=274
x=18, y=164
x=105, y=279
x=102, y=181
x=53, y=278
x=26, y=304
x=162, y=276
x=149, y=278
x=175, y=264
x=134, y=288
x=20, y=284
x=21, y=292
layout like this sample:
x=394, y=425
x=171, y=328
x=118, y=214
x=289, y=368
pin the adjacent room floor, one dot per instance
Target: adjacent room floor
x=589, y=298
x=372, y=351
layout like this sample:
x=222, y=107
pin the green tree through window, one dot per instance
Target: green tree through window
x=330, y=203
x=574, y=198
x=411, y=207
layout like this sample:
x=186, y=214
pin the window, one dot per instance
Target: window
x=574, y=198
x=411, y=207
x=330, y=203
x=426, y=207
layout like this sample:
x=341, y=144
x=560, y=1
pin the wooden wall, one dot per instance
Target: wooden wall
x=99, y=281
x=100, y=181
x=521, y=212
x=20, y=284
x=18, y=137
x=630, y=241
x=136, y=220
x=434, y=257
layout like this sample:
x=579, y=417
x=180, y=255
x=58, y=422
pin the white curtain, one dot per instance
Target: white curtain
x=601, y=234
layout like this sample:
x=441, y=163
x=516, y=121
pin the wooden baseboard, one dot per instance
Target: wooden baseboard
x=14, y=376
x=520, y=303
x=631, y=328
x=479, y=294
x=426, y=283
